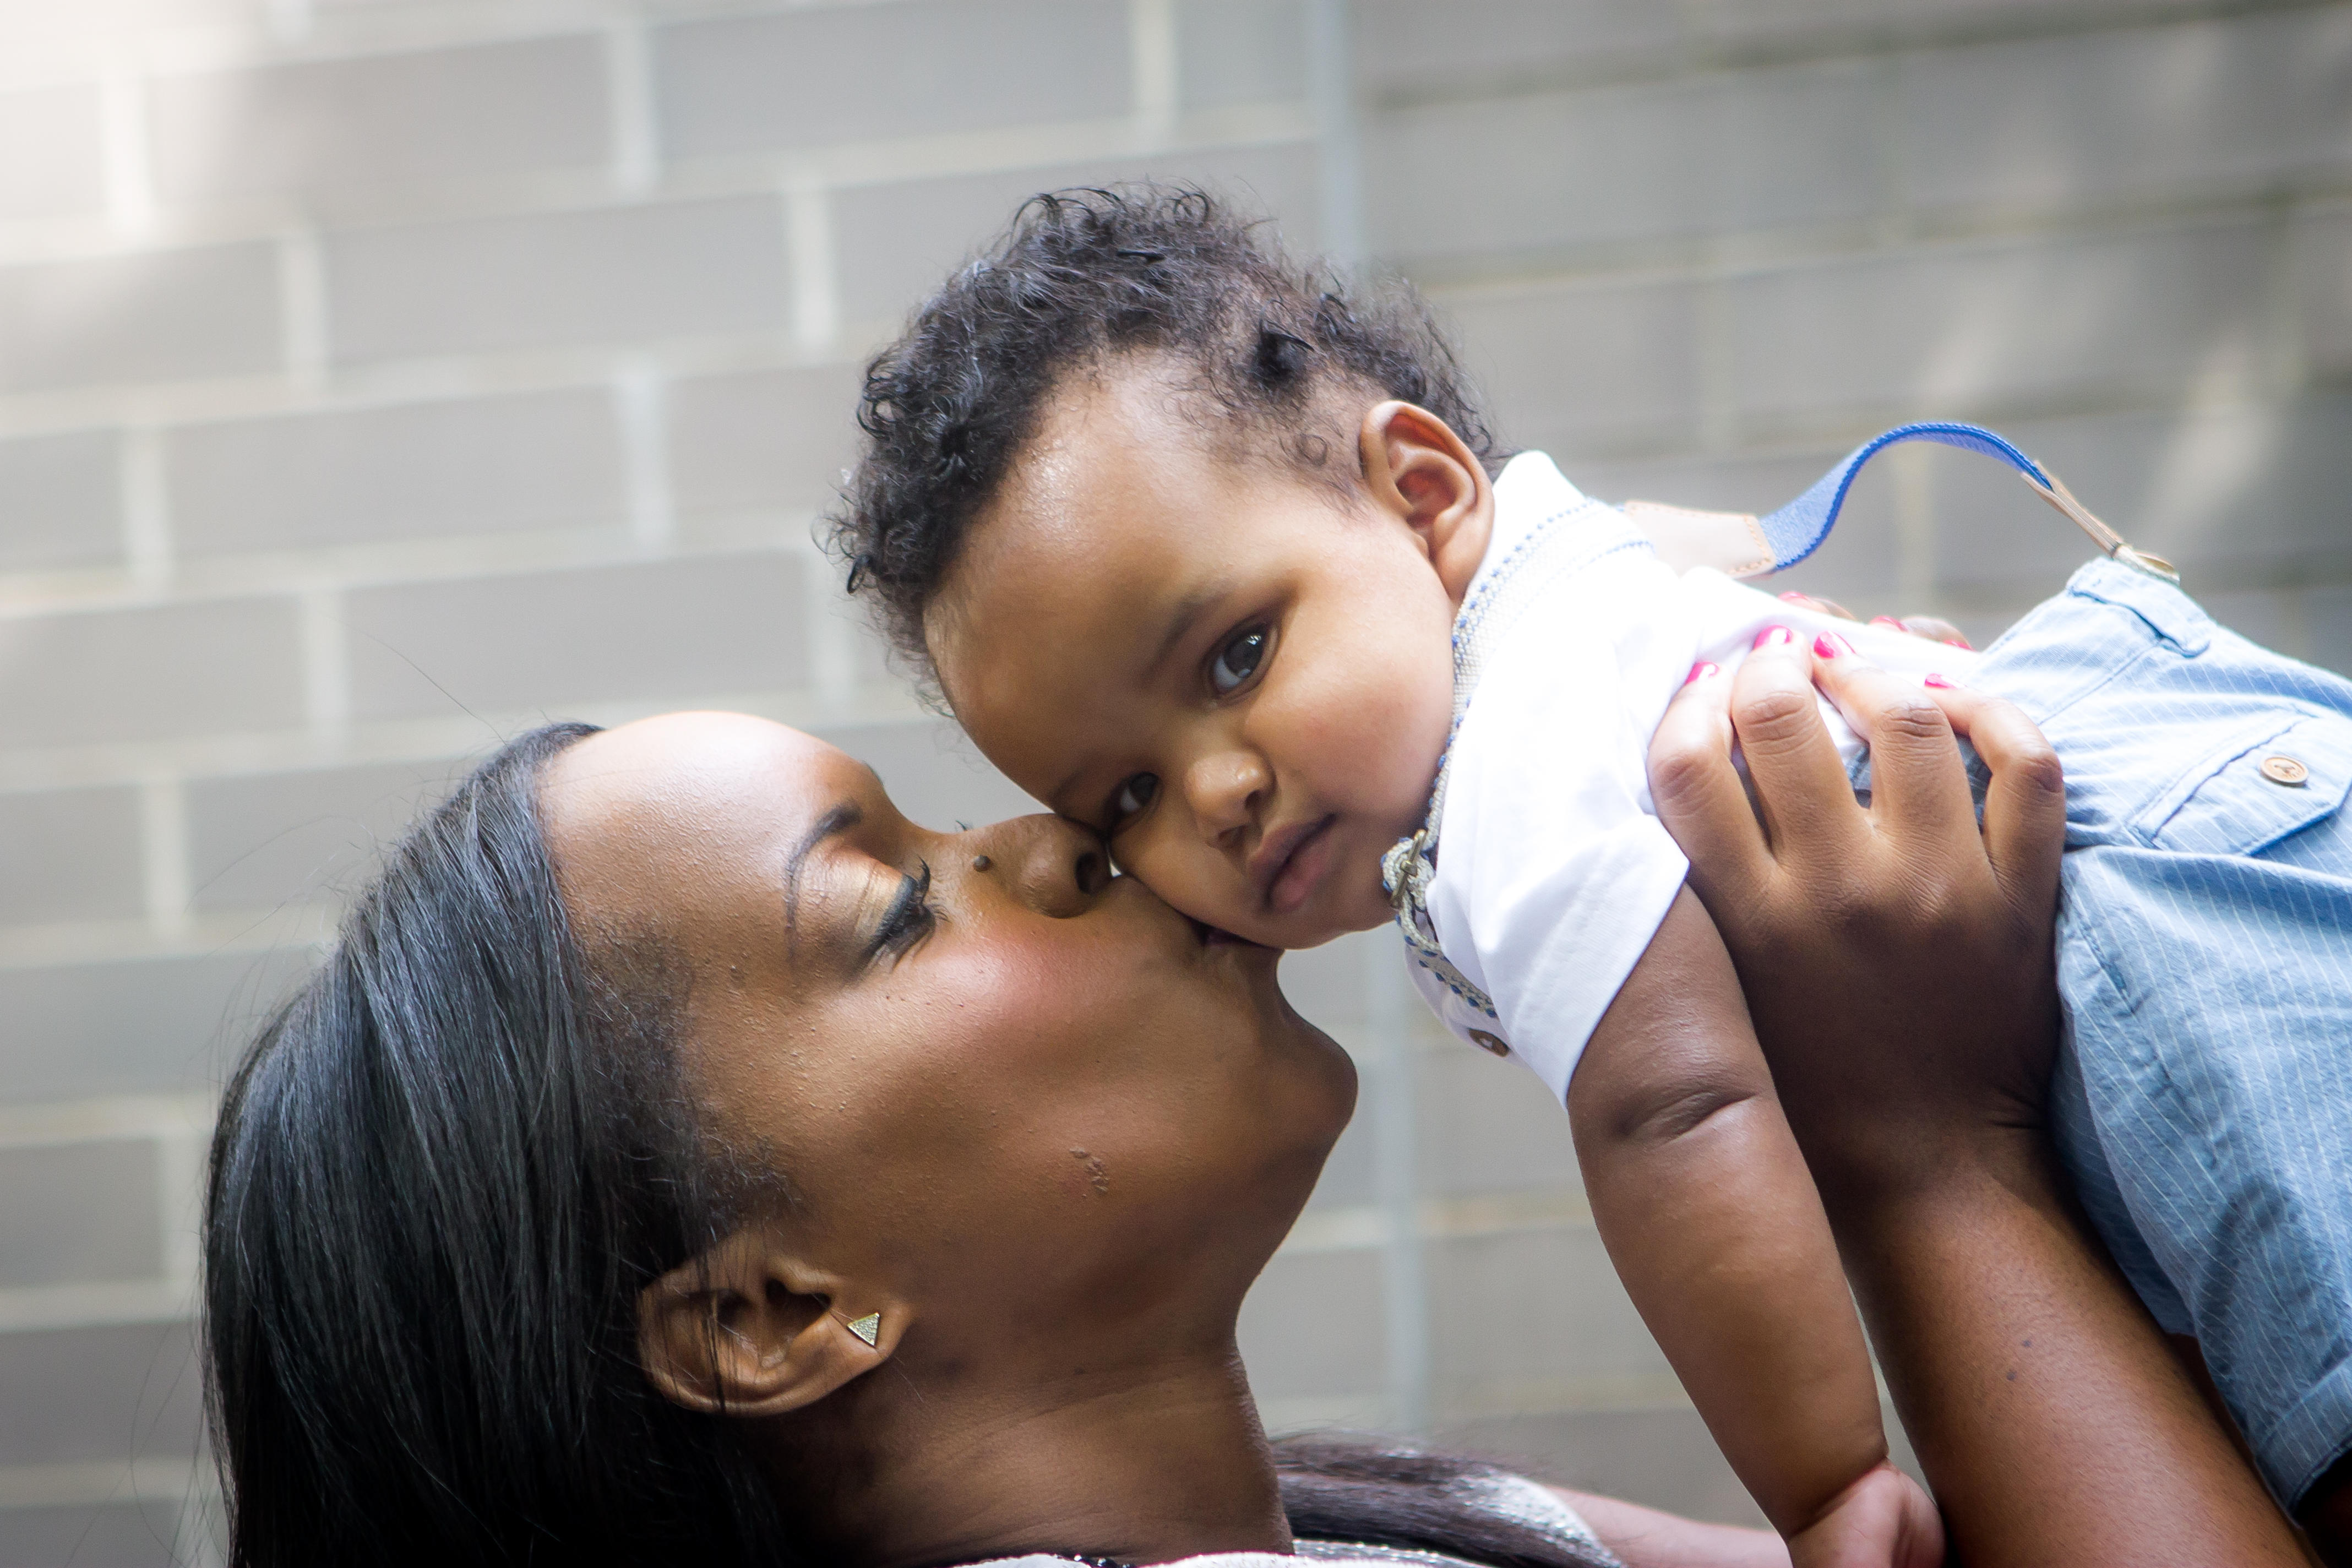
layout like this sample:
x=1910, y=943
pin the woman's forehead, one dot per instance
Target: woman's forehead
x=633, y=810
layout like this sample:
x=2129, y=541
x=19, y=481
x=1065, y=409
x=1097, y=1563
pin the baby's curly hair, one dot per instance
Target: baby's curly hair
x=1267, y=348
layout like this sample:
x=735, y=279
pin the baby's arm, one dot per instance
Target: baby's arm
x=1713, y=1222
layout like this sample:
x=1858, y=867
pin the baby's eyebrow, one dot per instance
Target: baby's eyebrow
x=1181, y=619
x=1183, y=616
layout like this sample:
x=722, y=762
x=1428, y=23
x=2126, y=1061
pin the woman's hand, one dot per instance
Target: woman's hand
x=1898, y=963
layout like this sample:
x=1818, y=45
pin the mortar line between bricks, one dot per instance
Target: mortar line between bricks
x=123, y=140
x=437, y=739
x=163, y=856
x=91, y=1482
x=640, y=394
x=591, y=187
x=325, y=640
x=215, y=934
x=813, y=281
x=293, y=34
x=146, y=512
x=28, y=1308
x=1830, y=44
x=304, y=311
x=263, y=573
x=1755, y=252
x=1633, y=264
x=629, y=93
x=179, y=1202
x=106, y=1119
x=154, y=576
x=1152, y=67
x=395, y=382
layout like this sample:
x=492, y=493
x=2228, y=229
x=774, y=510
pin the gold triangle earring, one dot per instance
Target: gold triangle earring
x=867, y=1328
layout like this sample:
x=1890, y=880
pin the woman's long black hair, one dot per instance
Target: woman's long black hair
x=439, y=1180
x=441, y=1177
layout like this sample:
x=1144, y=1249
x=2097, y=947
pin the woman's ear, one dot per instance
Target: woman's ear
x=1419, y=470
x=749, y=1329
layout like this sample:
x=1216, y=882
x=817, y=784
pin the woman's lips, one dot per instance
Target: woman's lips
x=1298, y=862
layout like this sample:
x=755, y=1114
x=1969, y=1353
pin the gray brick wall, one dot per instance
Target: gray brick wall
x=377, y=377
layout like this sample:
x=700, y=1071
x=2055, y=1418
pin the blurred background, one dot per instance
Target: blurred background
x=378, y=377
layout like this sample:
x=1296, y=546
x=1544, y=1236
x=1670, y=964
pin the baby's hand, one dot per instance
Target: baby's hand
x=1883, y=1521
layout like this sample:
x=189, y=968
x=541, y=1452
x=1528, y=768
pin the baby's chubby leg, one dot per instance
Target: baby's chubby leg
x=1713, y=1222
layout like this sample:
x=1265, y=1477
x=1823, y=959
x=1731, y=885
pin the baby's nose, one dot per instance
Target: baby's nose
x=1224, y=790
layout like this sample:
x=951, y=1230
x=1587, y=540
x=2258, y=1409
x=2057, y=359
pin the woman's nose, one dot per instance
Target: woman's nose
x=1053, y=865
x=1222, y=790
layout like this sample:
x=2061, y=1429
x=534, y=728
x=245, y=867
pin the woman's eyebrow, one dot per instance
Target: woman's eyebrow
x=842, y=816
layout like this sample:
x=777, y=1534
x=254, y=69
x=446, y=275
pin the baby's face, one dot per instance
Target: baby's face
x=1244, y=681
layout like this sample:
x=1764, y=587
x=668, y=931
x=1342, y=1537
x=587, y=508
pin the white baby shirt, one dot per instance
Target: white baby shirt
x=1552, y=870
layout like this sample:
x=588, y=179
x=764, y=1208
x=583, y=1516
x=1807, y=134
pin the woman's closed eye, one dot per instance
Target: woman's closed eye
x=909, y=919
x=1238, y=657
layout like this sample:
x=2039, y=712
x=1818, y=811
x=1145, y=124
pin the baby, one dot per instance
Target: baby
x=1225, y=564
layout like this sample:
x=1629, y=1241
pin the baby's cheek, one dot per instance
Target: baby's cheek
x=1192, y=879
x=1377, y=756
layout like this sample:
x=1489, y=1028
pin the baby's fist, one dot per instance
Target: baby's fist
x=1883, y=1521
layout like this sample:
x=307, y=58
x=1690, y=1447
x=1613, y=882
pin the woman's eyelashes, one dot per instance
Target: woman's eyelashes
x=909, y=918
x=1238, y=657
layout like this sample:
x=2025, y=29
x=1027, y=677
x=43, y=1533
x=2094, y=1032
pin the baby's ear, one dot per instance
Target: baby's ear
x=1419, y=471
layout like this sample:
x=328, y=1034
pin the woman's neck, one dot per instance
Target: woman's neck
x=1154, y=1464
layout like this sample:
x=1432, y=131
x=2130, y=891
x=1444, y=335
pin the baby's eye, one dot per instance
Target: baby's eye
x=1133, y=796
x=1237, y=660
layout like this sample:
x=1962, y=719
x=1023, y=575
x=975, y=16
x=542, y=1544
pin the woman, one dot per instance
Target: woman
x=686, y=1158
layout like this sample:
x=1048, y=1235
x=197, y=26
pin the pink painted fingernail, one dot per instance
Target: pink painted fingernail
x=1888, y=621
x=1793, y=597
x=1699, y=671
x=1960, y=642
x=1772, y=637
x=1829, y=645
x=1938, y=681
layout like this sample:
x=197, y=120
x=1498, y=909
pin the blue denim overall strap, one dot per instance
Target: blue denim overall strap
x=1740, y=544
x=1797, y=530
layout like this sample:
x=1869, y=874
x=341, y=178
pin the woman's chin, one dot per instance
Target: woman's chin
x=1208, y=935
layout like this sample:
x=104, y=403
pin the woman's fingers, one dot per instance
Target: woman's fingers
x=1698, y=794
x=1917, y=782
x=1801, y=783
x=2025, y=804
x=1816, y=603
x=1933, y=627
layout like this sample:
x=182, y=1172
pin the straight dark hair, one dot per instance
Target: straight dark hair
x=440, y=1179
